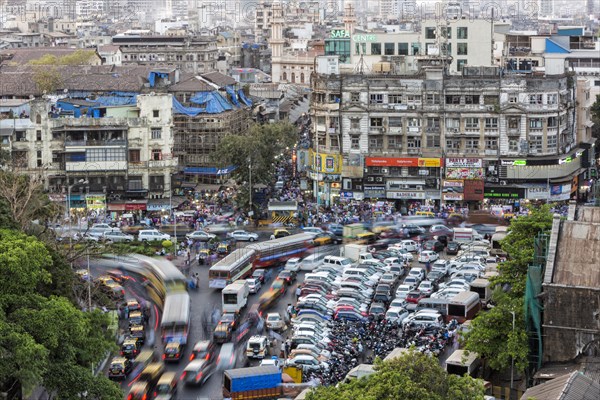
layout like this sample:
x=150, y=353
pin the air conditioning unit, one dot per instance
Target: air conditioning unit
x=503, y=183
x=419, y=187
x=385, y=171
x=412, y=107
x=379, y=179
x=493, y=179
x=366, y=170
x=490, y=108
x=405, y=186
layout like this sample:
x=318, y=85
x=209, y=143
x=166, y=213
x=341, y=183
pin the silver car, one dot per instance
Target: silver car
x=117, y=236
x=243, y=236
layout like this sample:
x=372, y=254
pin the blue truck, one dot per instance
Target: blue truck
x=252, y=383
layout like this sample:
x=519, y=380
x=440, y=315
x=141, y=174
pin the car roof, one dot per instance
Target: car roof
x=195, y=364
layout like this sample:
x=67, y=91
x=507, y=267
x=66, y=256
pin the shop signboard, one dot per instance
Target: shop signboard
x=560, y=192
x=504, y=193
x=464, y=163
x=95, y=202
x=473, y=190
x=406, y=195
x=391, y=162
x=453, y=190
x=374, y=191
x=537, y=192
x=429, y=162
x=346, y=195
x=135, y=206
x=464, y=173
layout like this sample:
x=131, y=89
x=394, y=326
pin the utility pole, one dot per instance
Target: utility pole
x=250, y=179
x=512, y=359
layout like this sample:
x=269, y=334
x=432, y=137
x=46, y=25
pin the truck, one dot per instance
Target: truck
x=497, y=237
x=353, y=251
x=235, y=296
x=252, y=383
x=462, y=362
x=466, y=235
x=352, y=230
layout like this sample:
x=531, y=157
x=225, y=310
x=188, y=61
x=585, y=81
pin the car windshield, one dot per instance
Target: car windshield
x=273, y=318
x=227, y=318
x=115, y=366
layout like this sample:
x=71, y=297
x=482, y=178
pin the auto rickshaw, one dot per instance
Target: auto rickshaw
x=223, y=249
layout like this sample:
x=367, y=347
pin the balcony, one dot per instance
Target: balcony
x=138, y=164
x=376, y=130
x=88, y=143
x=453, y=151
x=414, y=131
x=414, y=150
x=472, y=131
x=472, y=151
x=96, y=166
x=159, y=164
x=491, y=152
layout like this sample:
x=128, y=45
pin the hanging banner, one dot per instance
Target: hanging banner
x=430, y=162
x=464, y=173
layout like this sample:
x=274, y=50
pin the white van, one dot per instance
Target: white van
x=311, y=262
x=338, y=263
x=355, y=272
x=152, y=235
x=235, y=296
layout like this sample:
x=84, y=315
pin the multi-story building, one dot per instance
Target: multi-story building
x=190, y=54
x=505, y=129
x=123, y=152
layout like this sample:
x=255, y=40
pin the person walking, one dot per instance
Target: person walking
x=428, y=266
x=298, y=292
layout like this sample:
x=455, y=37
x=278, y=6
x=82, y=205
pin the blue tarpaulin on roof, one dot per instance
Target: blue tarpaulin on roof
x=153, y=75
x=233, y=95
x=243, y=97
x=69, y=107
x=209, y=170
x=214, y=102
x=181, y=109
x=114, y=100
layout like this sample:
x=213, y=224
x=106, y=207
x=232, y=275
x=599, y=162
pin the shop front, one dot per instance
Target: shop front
x=325, y=171
x=374, y=192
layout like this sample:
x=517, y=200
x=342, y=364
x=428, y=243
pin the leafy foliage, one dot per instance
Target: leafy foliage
x=44, y=339
x=413, y=375
x=79, y=57
x=257, y=151
x=595, y=112
x=492, y=335
x=47, y=79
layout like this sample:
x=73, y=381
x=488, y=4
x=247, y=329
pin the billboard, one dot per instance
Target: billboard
x=326, y=163
x=402, y=162
x=453, y=189
x=464, y=173
x=464, y=162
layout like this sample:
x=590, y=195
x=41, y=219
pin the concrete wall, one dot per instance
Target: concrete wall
x=571, y=321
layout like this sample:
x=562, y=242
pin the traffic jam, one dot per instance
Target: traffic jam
x=415, y=283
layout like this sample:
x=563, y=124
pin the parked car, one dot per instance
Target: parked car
x=452, y=248
x=377, y=310
x=201, y=236
x=117, y=236
x=428, y=255
x=389, y=278
x=396, y=314
x=417, y=273
x=242, y=235
x=427, y=287
x=275, y=322
x=433, y=245
x=414, y=296
x=293, y=264
x=152, y=235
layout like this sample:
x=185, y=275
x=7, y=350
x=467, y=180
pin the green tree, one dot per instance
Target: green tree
x=79, y=57
x=47, y=78
x=47, y=340
x=491, y=334
x=413, y=375
x=256, y=151
x=595, y=112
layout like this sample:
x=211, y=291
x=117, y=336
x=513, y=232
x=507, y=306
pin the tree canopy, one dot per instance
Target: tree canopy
x=491, y=334
x=44, y=339
x=256, y=151
x=413, y=375
x=79, y=57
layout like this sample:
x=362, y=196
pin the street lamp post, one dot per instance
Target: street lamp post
x=512, y=359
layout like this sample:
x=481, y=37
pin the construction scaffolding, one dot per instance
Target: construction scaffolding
x=533, y=306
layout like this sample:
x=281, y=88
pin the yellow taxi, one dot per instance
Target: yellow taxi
x=322, y=239
x=426, y=214
x=366, y=238
x=279, y=233
x=139, y=391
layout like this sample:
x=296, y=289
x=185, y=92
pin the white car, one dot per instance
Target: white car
x=428, y=255
x=254, y=285
x=402, y=291
x=398, y=302
x=426, y=287
x=271, y=361
x=424, y=318
x=217, y=228
x=243, y=236
x=394, y=262
x=293, y=264
x=396, y=314
x=152, y=235
x=417, y=273
x=447, y=293
x=313, y=229
x=408, y=245
x=117, y=236
x=201, y=236
x=102, y=227
x=275, y=322
x=307, y=363
x=411, y=282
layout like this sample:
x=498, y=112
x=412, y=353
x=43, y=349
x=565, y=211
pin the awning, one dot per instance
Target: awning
x=209, y=170
x=164, y=204
x=136, y=205
x=115, y=206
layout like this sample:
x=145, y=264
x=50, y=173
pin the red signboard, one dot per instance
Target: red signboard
x=135, y=206
x=473, y=190
x=391, y=162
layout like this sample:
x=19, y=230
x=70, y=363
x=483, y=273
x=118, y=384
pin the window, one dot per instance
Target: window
x=491, y=144
x=416, y=48
x=462, y=33
x=394, y=98
x=432, y=99
x=433, y=141
x=355, y=97
x=375, y=48
x=513, y=123
x=402, y=49
x=395, y=122
x=284, y=76
x=156, y=133
x=394, y=143
x=453, y=123
x=471, y=99
x=472, y=123
x=491, y=123
x=389, y=49
x=446, y=32
x=156, y=155
x=552, y=142
x=38, y=136
x=460, y=64
x=155, y=113
x=552, y=122
x=513, y=145
x=414, y=122
x=413, y=143
x=430, y=33
x=334, y=141
x=552, y=98
x=376, y=122
x=472, y=143
x=355, y=123
x=535, y=99
x=453, y=99
x=302, y=77
x=433, y=122
x=55, y=156
x=360, y=46
x=105, y=155
x=452, y=144
x=355, y=142
x=535, y=123
x=535, y=143
x=376, y=142
x=322, y=141
x=134, y=156
x=413, y=99
x=461, y=49
x=376, y=99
